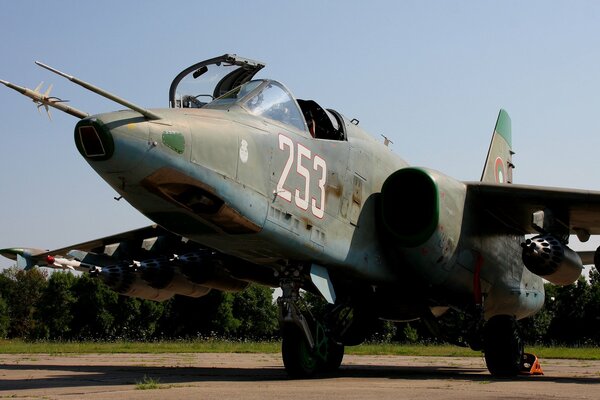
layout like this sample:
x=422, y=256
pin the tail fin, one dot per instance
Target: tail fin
x=498, y=165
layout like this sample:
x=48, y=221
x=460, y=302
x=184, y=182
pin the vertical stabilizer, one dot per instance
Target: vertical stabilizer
x=498, y=164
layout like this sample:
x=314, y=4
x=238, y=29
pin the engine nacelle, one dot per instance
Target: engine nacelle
x=546, y=256
x=421, y=218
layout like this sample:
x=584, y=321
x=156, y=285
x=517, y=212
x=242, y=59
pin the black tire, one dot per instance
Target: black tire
x=299, y=360
x=335, y=355
x=502, y=346
x=359, y=328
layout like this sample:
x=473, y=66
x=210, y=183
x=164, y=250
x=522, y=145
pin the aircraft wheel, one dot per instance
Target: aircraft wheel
x=335, y=355
x=299, y=360
x=502, y=346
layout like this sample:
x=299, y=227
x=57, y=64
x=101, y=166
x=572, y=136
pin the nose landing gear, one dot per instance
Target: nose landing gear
x=307, y=347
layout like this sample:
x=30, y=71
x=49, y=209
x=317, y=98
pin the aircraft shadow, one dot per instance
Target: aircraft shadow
x=103, y=375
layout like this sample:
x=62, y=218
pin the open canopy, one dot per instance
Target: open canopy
x=202, y=82
x=225, y=81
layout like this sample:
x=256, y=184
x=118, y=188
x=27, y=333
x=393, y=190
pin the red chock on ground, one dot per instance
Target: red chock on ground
x=531, y=365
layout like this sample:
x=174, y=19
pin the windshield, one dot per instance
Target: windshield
x=268, y=99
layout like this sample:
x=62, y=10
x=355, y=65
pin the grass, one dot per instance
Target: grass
x=148, y=383
x=160, y=347
x=225, y=346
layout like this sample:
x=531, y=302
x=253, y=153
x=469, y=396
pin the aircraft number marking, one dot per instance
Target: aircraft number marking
x=302, y=202
x=319, y=211
x=301, y=197
x=281, y=192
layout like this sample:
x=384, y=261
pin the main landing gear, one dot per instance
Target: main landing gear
x=307, y=347
x=502, y=346
x=503, y=349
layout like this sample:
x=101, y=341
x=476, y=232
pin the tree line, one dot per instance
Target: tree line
x=35, y=305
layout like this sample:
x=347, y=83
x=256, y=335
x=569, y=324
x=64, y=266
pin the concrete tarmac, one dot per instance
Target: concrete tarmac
x=261, y=376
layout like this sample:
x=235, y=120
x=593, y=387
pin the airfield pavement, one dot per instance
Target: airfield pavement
x=261, y=376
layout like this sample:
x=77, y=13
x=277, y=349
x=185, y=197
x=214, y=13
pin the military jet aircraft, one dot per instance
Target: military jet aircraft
x=246, y=183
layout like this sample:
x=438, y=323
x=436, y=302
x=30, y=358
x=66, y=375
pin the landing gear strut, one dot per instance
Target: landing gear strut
x=306, y=348
x=502, y=346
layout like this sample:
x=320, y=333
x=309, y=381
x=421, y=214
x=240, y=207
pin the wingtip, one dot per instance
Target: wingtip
x=12, y=253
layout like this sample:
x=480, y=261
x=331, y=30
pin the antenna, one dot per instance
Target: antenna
x=386, y=141
x=146, y=113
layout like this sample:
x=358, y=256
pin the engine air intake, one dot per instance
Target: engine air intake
x=93, y=140
x=410, y=207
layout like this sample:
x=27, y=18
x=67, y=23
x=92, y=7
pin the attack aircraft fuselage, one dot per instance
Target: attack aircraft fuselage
x=260, y=187
x=248, y=184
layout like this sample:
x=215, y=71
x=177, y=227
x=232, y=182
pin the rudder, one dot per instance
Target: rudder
x=498, y=164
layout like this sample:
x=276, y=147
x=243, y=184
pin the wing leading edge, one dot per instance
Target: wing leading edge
x=150, y=263
x=97, y=245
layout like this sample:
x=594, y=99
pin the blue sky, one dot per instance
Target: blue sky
x=430, y=75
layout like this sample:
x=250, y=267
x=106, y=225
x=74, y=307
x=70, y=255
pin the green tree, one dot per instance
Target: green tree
x=4, y=318
x=256, y=313
x=150, y=314
x=6, y=289
x=54, y=311
x=187, y=317
x=93, y=310
x=569, y=322
x=224, y=322
x=23, y=298
x=136, y=319
x=592, y=310
x=7, y=282
x=409, y=334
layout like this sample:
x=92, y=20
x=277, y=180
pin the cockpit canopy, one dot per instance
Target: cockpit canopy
x=265, y=98
x=226, y=82
x=218, y=76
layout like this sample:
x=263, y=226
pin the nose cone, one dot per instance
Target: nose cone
x=112, y=142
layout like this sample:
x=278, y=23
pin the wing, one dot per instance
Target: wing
x=511, y=207
x=39, y=257
x=150, y=263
